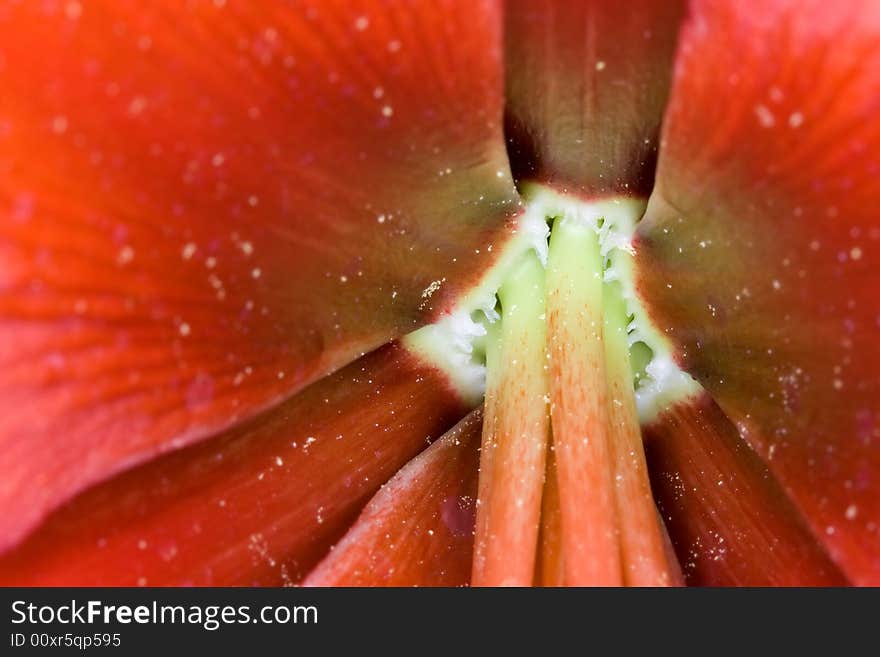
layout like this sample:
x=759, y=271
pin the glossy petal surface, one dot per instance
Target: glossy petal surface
x=731, y=522
x=586, y=84
x=760, y=251
x=258, y=505
x=419, y=529
x=206, y=206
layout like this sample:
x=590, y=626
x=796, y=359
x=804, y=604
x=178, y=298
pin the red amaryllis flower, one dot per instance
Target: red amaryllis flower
x=257, y=257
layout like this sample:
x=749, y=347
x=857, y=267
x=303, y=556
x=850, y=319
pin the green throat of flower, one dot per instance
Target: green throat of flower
x=566, y=236
x=558, y=346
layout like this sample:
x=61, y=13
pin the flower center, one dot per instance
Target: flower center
x=457, y=342
x=558, y=344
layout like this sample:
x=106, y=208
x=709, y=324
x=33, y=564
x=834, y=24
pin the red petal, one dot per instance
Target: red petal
x=586, y=86
x=258, y=505
x=730, y=521
x=204, y=208
x=760, y=253
x=419, y=529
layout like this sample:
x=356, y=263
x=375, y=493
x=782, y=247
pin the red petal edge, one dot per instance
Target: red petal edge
x=419, y=529
x=259, y=505
x=730, y=522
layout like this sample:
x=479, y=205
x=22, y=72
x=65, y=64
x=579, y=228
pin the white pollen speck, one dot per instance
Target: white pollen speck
x=256, y=272
x=247, y=248
x=855, y=253
x=838, y=384
x=600, y=65
x=429, y=291
x=387, y=110
x=795, y=120
x=279, y=461
x=343, y=279
x=73, y=10
x=137, y=105
x=188, y=251
x=776, y=285
x=218, y=159
x=59, y=125
x=381, y=218
x=253, y=201
x=851, y=512
x=362, y=23
x=499, y=174
x=142, y=544
x=210, y=262
x=378, y=92
x=393, y=46
x=184, y=329
x=765, y=116
x=125, y=255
